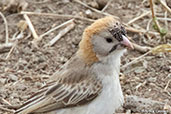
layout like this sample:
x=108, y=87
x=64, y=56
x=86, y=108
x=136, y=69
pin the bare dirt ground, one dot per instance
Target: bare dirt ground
x=28, y=68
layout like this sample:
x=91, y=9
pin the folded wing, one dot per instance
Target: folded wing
x=63, y=93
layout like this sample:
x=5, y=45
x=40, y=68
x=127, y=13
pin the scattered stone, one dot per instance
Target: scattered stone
x=142, y=105
x=38, y=84
x=21, y=87
x=139, y=69
x=152, y=79
x=2, y=81
x=88, y=13
x=12, y=77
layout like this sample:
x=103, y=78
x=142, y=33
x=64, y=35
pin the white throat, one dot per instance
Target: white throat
x=110, y=64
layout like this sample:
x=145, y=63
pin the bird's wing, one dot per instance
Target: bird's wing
x=63, y=94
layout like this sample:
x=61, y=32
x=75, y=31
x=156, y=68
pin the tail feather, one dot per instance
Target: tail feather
x=30, y=106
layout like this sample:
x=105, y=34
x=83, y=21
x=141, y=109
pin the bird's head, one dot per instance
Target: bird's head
x=103, y=38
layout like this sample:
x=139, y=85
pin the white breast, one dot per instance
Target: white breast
x=111, y=97
x=109, y=100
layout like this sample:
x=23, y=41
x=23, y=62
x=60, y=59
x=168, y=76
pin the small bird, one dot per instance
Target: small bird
x=89, y=82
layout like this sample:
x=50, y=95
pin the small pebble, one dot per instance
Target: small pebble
x=38, y=84
x=88, y=13
x=152, y=79
x=12, y=77
x=139, y=69
x=2, y=81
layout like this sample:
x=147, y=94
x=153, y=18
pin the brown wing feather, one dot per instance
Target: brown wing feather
x=73, y=87
x=62, y=95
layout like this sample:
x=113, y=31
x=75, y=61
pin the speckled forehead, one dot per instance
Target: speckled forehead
x=114, y=25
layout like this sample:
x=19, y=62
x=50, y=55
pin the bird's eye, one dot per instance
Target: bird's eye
x=109, y=40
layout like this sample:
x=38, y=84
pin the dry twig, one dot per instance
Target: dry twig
x=165, y=6
x=162, y=19
x=106, y=6
x=5, y=47
x=139, y=17
x=148, y=25
x=140, y=85
x=41, y=2
x=62, y=33
x=6, y=110
x=135, y=60
x=11, y=50
x=156, y=24
x=157, y=49
x=6, y=28
x=154, y=17
x=95, y=10
x=57, y=27
x=5, y=101
x=142, y=49
x=36, y=37
x=165, y=21
x=167, y=85
x=131, y=29
x=162, y=48
x=58, y=15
